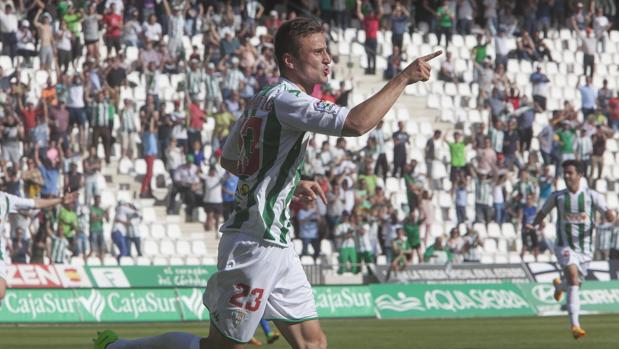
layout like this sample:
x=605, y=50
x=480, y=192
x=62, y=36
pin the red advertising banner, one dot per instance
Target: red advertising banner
x=47, y=276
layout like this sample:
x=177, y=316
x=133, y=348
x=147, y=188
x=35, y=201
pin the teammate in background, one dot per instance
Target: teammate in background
x=259, y=274
x=11, y=204
x=271, y=336
x=574, y=245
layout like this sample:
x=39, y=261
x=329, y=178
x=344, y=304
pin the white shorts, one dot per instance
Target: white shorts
x=566, y=256
x=256, y=280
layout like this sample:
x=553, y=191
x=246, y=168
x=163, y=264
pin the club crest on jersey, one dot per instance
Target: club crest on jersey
x=325, y=107
x=237, y=317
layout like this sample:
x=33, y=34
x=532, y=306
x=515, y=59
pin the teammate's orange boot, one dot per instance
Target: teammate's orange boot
x=578, y=332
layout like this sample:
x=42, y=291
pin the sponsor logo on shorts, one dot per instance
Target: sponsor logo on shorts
x=325, y=107
x=237, y=317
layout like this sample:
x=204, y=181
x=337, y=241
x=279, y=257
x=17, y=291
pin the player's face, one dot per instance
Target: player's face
x=572, y=178
x=312, y=63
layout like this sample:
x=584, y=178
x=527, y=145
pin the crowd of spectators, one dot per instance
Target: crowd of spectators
x=141, y=79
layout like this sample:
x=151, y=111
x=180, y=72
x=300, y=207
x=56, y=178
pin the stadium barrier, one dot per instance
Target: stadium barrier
x=384, y=301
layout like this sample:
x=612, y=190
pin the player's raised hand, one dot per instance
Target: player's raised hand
x=420, y=69
x=309, y=190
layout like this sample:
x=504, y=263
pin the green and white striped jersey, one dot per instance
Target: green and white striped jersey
x=10, y=204
x=269, y=141
x=59, y=249
x=576, y=217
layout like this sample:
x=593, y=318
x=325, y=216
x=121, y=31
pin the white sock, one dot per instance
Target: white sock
x=573, y=304
x=171, y=340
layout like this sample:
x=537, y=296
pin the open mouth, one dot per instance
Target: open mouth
x=326, y=71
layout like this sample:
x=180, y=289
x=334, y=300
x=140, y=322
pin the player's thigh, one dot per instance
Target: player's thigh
x=217, y=340
x=303, y=335
x=572, y=274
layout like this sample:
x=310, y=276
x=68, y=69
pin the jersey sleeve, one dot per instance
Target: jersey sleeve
x=16, y=203
x=303, y=112
x=232, y=147
x=599, y=202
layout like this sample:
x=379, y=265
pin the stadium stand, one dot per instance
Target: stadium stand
x=184, y=74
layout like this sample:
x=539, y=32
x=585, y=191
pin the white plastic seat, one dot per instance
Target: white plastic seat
x=198, y=248
x=157, y=231
x=167, y=248
x=174, y=231
x=183, y=248
x=150, y=248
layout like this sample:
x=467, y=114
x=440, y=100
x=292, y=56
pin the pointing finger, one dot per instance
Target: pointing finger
x=431, y=55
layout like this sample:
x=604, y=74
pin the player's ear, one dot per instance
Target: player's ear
x=288, y=61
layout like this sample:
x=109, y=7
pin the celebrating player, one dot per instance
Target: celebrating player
x=11, y=204
x=576, y=207
x=259, y=273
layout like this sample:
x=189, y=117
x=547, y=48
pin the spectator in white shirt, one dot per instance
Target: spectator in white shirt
x=8, y=30
x=152, y=29
x=601, y=25
x=213, y=199
x=588, y=43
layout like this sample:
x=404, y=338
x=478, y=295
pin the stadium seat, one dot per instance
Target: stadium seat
x=126, y=260
x=490, y=246
x=500, y=259
x=307, y=260
x=209, y=261
x=148, y=215
x=192, y=261
x=109, y=261
x=157, y=231
x=160, y=261
x=141, y=260
x=93, y=261
x=183, y=248
x=494, y=231
x=198, y=248
x=176, y=261
x=480, y=228
x=508, y=231
x=326, y=247
x=150, y=247
x=173, y=231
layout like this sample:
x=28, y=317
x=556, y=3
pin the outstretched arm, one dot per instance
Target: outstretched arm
x=45, y=203
x=366, y=115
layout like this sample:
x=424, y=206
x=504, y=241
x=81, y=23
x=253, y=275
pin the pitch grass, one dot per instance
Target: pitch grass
x=502, y=333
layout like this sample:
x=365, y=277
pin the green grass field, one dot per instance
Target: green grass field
x=512, y=333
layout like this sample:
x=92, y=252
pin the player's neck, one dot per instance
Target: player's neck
x=294, y=79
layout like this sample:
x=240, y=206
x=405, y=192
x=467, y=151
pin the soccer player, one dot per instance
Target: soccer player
x=11, y=204
x=259, y=273
x=576, y=207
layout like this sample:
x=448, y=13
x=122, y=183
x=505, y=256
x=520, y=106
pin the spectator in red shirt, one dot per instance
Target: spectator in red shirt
x=197, y=117
x=113, y=29
x=371, y=23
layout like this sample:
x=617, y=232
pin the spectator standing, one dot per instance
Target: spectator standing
x=540, y=87
x=525, y=117
x=584, y=150
x=466, y=12
x=133, y=230
x=77, y=109
x=603, y=97
x=588, y=96
x=430, y=154
x=345, y=237
x=597, y=156
x=176, y=25
x=185, y=182
x=230, y=183
x=530, y=238
x=97, y=240
x=92, y=172
x=46, y=40
x=149, y=151
x=411, y=226
x=601, y=25
x=483, y=196
x=400, y=140
x=58, y=247
x=460, y=188
x=399, y=25
x=309, y=218
x=382, y=166
x=20, y=247
x=457, y=154
x=49, y=165
x=8, y=30
x=371, y=24
x=119, y=229
x=67, y=224
x=437, y=253
x=588, y=47
x=213, y=199
x=444, y=18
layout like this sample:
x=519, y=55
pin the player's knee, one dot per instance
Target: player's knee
x=320, y=342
